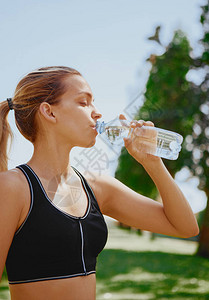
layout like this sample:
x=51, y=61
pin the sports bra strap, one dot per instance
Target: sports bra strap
x=89, y=189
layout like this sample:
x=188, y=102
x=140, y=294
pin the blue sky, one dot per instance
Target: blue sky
x=106, y=40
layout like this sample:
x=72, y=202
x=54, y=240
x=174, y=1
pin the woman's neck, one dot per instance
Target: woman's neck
x=50, y=159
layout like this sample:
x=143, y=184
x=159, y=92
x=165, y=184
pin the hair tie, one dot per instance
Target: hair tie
x=10, y=104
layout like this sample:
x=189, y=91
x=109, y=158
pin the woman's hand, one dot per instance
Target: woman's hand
x=171, y=217
x=142, y=142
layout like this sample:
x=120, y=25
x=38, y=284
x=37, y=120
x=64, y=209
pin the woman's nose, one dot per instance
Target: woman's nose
x=96, y=113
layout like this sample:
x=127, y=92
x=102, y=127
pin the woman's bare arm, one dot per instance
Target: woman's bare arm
x=173, y=217
x=11, y=204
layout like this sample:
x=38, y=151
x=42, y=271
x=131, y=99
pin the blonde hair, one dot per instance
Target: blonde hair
x=42, y=85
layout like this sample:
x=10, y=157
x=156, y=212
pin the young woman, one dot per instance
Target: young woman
x=51, y=217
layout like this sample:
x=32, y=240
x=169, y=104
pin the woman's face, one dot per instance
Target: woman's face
x=76, y=114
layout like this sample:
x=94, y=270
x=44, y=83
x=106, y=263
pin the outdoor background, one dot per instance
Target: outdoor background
x=115, y=45
x=105, y=40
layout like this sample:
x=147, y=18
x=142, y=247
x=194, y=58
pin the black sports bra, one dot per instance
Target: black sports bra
x=52, y=244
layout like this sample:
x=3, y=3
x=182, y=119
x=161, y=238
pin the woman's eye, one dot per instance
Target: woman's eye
x=83, y=103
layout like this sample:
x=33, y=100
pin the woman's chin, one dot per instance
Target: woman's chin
x=87, y=145
x=91, y=144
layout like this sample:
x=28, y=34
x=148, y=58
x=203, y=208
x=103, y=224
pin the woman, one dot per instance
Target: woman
x=51, y=217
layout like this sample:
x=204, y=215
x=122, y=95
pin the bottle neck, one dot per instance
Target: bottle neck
x=100, y=126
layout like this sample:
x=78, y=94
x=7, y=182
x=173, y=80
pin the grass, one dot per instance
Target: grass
x=4, y=289
x=135, y=267
x=151, y=275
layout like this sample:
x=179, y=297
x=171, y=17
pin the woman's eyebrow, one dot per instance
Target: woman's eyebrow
x=88, y=94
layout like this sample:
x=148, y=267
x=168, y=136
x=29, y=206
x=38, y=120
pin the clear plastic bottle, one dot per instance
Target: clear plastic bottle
x=153, y=140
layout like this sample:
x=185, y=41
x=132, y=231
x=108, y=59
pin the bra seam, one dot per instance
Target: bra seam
x=93, y=195
x=88, y=195
x=51, y=278
x=53, y=205
x=31, y=200
x=95, y=199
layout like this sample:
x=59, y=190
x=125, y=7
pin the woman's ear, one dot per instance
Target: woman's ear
x=46, y=111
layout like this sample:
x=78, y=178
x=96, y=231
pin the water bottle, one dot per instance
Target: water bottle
x=155, y=141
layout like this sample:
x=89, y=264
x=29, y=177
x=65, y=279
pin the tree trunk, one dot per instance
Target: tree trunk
x=203, y=248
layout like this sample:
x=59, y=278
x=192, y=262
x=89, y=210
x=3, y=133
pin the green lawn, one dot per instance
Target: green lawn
x=4, y=291
x=135, y=267
x=151, y=275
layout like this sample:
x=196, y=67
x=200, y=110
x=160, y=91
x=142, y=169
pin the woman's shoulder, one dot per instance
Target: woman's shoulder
x=12, y=182
x=11, y=208
x=103, y=187
x=11, y=176
x=101, y=181
x=98, y=181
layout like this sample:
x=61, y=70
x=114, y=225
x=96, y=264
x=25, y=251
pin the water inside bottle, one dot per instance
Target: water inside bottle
x=168, y=144
x=116, y=133
x=152, y=140
x=164, y=144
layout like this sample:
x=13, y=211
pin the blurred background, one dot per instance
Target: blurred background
x=110, y=43
x=148, y=60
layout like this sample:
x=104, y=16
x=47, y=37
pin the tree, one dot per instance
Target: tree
x=170, y=102
x=200, y=137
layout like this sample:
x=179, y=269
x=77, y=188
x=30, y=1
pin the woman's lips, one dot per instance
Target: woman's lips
x=94, y=128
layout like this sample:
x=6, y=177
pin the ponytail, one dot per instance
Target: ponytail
x=42, y=85
x=5, y=135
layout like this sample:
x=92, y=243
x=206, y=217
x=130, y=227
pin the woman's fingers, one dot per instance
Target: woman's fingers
x=140, y=129
x=149, y=123
x=122, y=117
x=141, y=123
x=136, y=123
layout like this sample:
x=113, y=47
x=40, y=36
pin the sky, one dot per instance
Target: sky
x=106, y=40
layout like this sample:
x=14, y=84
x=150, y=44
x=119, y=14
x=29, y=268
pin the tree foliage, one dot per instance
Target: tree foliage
x=200, y=138
x=170, y=103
